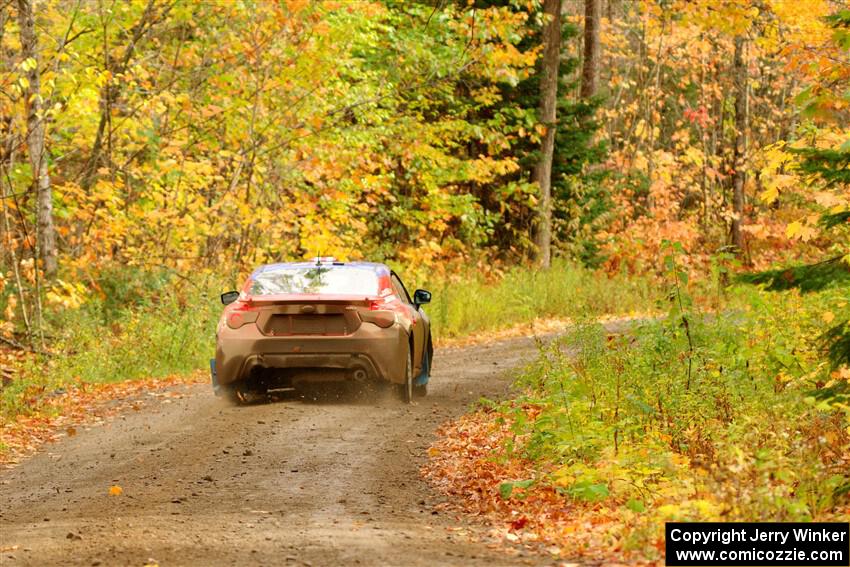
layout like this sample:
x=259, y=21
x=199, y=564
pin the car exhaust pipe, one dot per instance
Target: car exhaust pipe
x=360, y=375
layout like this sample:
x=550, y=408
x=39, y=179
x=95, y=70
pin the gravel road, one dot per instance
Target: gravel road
x=288, y=482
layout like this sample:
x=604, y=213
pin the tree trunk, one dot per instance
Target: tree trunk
x=741, y=119
x=612, y=9
x=548, y=102
x=109, y=94
x=592, y=49
x=35, y=141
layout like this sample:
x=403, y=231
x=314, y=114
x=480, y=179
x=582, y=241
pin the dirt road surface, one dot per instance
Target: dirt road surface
x=290, y=482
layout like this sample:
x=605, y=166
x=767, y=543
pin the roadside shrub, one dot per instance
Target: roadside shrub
x=693, y=417
x=165, y=326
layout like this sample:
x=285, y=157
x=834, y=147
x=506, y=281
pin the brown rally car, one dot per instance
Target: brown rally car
x=296, y=324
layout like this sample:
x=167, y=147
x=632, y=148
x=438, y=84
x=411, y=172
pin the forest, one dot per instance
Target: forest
x=684, y=164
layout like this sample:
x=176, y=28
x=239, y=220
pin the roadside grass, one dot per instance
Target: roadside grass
x=467, y=303
x=161, y=329
x=144, y=324
x=732, y=416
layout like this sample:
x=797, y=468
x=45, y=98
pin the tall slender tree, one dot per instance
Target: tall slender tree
x=548, y=105
x=741, y=119
x=592, y=48
x=35, y=139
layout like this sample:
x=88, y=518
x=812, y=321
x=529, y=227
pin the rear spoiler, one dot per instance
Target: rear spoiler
x=300, y=298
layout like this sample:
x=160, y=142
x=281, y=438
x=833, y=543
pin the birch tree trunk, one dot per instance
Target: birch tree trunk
x=35, y=140
x=548, y=102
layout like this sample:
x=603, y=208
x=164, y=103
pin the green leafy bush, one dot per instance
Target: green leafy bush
x=163, y=325
x=695, y=416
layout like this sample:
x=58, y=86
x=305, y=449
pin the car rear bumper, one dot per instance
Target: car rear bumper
x=371, y=352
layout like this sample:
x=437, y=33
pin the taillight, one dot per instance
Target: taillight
x=240, y=315
x=382, y=312
x=386, y=302
x=381, y=318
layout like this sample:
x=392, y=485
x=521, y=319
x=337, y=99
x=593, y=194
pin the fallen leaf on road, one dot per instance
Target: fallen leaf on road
x=79, y=405
x=115, y=490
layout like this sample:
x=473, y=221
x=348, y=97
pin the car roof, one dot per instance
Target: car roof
x=376, y=267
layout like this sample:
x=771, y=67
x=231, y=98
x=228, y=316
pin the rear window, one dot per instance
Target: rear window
x=328, y=280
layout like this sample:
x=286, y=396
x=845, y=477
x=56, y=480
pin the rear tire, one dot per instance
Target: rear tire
x=421, y=390
x=406, y=389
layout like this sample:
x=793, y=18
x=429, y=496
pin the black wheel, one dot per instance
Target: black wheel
x=406, y=389
x=421, y=390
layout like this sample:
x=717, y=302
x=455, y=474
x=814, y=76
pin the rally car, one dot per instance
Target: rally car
x=297, y=324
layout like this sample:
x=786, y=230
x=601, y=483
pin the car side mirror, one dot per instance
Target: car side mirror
x=229, y=297
x=421, y=296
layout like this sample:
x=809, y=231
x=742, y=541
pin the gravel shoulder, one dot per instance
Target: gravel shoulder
x=322, y=482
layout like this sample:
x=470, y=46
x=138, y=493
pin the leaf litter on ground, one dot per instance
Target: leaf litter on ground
x=79, y=406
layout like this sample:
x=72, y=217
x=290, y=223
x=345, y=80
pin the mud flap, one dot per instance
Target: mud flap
x=216, y=387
